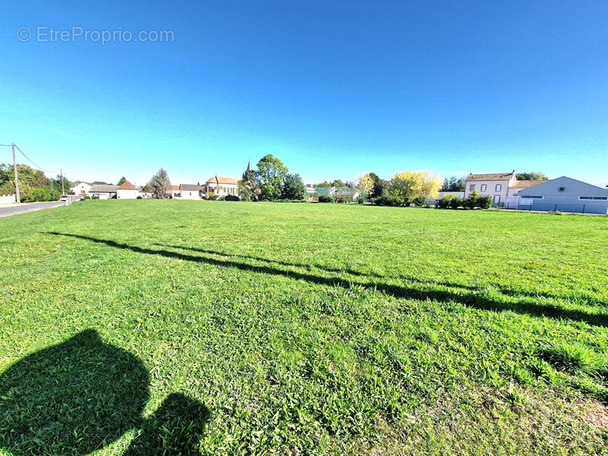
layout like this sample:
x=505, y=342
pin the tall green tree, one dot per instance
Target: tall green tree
x=160, y=185
x=246, y=186
x=453, y=184
x=293, y=188
x=122, y=180
x=531, y=176
x=270, y=177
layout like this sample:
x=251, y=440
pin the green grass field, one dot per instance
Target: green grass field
x=137, y=327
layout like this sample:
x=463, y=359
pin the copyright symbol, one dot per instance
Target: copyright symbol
x=24, y=34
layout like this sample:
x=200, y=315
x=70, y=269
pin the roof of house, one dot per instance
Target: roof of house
x=175, y=187
x=127, y=186
x=103, y=188
x=527, y=183
x=223, y=180
x=490, y=177
x=189, y=187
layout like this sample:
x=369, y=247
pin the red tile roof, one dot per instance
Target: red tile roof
x=127, y=186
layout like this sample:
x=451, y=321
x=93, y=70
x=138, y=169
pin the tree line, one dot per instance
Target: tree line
x=33, y=184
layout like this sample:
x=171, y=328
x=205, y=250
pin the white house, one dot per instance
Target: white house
x=103, y=191
x=223, y=186
x=80, y=188
x=127, y=191
x=189, y=191
x=564, y=194
x=494, y=185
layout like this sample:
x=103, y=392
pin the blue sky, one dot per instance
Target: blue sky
x=333, y=89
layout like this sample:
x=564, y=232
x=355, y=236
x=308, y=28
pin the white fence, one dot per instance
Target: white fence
x=7, y=199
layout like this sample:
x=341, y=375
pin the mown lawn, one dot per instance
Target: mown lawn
x=137, y=327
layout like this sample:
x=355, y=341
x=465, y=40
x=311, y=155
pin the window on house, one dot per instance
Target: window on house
x=602, y=198
x=531, y=197
x=484, y=187
x=598, y=198
x=472, y=188
x=562, y=189
x=498, y=187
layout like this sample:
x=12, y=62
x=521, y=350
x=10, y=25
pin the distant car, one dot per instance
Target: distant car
x=65, y=198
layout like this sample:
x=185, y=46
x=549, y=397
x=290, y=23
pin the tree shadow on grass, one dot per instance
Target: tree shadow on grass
x=423, y=292
x=311, y=267
x=83, y=394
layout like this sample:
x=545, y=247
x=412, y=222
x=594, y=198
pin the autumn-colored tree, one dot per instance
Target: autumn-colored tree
x=409, y=185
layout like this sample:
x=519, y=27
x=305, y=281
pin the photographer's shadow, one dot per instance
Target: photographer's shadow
x=83, y=394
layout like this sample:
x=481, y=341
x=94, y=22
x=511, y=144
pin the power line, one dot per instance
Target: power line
x=30, y=160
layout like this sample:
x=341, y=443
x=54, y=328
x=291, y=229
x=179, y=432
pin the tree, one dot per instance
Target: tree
x=379, y=186
x=160, y=185
x=246, y=186
x=293, y=188
x=453, y=184
x=365, y=185
x=531, y=176
x=122, y=180
x=409, y=185
x=270, y=177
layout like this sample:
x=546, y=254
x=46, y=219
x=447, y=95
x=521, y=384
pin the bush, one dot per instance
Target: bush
x=340, y=199
x=211, y=196
x=419, y=201
x=326, y=199
x=386, y=200
x=86, y=197
x=456, y=202
x=361, y=200
x=232, y=198
x=95, y=197
x=484, y=202
x=55, y=195
x=139, y=197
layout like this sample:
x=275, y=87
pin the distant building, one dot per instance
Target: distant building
x=223, y=186
x=80, y=188
x=189, y=191
x=495, y=185
x=564, y=194
x=103, y=191
x=127, y=191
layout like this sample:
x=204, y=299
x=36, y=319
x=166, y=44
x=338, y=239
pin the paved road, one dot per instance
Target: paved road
x=6, y=211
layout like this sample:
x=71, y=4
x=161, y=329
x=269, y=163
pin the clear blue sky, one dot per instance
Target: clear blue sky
x=333, y=89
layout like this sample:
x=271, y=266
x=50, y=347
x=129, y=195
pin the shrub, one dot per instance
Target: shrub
x=419, y=201
x=456, y=202
x=211, y=196
x=361, y=200
x=87, y=197
x=232, y=198
x=484, y=202
x=139, y=197
x=95, y=197
x=386, y=200
x=340, y=199
x=326, y=199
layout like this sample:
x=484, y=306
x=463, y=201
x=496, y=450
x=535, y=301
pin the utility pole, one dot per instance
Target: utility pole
x=62, y=189
x=16, y=177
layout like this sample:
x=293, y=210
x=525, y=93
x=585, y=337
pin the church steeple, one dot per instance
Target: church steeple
x=249, y=165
